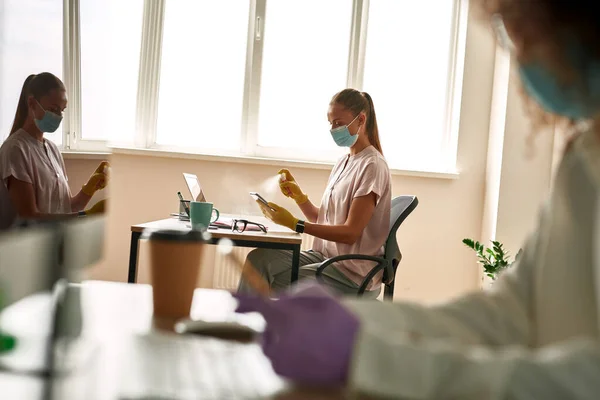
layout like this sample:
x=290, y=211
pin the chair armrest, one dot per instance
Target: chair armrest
x=332, y=260
x=381, y=264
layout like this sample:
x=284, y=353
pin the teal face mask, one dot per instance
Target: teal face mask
x=342, y=136
x=577, y=101
x=49, y=122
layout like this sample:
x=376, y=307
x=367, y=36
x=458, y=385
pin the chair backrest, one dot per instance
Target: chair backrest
x=402, y=206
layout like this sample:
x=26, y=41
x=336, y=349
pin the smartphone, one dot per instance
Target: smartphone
x=258, y=197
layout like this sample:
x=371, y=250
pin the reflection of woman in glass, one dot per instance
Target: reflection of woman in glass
x=34, y=179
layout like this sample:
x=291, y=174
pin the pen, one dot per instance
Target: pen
x=185, y=207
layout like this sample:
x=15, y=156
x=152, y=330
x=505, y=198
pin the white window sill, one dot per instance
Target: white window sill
x=84, y=155
x=242, y=160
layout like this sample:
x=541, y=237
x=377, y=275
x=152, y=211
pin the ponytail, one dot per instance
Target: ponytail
x=22, y=108
x=372, y=128
x=37, y=86
x=358, y=102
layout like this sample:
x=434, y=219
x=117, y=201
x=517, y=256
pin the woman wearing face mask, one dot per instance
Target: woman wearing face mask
x=354, y=214
x=34, y=180
x=536, y=334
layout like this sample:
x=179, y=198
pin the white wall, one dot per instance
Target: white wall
x=519, y=165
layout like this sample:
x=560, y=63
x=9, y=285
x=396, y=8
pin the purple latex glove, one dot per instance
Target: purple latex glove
x=309, y=335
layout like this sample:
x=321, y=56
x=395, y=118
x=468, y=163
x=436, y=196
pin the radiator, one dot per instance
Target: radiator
x=227, y=276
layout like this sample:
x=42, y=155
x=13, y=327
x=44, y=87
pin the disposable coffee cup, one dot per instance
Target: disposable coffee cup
x=174, y=267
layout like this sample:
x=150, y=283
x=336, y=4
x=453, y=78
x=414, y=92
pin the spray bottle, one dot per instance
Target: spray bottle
x=282, y=179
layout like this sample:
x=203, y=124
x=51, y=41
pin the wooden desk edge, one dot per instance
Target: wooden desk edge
x=276, y=237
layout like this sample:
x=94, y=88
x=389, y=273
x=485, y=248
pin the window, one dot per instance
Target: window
x=101, y=70
x=255, y=78
x=304, y=63
x=408, y=79
x=234, y=77
x=30, y=41
x=111, y=32
x=202, y=74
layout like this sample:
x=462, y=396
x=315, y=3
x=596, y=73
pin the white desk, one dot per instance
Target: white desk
x=277, y=237
x=111, y=312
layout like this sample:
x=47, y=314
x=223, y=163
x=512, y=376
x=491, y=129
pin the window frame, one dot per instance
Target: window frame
x=149, y=82
x=73, y=141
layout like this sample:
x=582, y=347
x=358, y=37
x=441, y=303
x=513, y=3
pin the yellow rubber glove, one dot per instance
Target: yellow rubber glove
x=98, y=208
x=98, y=180
x=103, y=168
x=280, y=216
x=290, y=188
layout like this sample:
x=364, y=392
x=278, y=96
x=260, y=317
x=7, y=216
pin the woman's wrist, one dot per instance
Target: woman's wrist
x=302, y=199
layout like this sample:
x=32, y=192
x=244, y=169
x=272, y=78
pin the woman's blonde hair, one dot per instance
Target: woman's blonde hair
x=37, y=86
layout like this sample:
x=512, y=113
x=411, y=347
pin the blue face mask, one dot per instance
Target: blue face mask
x=342, y=136
x=580, y=100
x=49, y=122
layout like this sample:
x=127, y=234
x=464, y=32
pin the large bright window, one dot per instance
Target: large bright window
x=304, y=63
x=111, y=32
x=30, y=42
x=202, y=74
x=407, y=73
x=242, y=77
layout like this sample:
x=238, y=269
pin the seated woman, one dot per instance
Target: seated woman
x=354, y=215
x=34, y=180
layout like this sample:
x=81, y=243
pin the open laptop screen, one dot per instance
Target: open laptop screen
x=193, y=185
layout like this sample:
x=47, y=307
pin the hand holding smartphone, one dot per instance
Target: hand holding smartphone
x=261, y=199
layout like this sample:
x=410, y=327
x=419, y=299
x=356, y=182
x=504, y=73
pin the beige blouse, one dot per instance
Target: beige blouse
x=40, y=163
x=354, y=176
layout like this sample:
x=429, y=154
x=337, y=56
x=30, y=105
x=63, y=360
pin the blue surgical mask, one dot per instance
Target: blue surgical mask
x=342, y=136
x=49, y=122
x=577, y=100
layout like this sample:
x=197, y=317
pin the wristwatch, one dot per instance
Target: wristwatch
x=300, y=226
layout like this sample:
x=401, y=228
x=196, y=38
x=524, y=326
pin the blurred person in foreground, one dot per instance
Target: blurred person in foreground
x=535, y=334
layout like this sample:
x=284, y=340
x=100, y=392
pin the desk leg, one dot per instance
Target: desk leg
x=295, y=263
x=133, y=257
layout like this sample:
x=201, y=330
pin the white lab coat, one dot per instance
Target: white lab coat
x=534, y=335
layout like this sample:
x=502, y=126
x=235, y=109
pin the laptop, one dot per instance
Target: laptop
x=195, y=188
x=193, y=184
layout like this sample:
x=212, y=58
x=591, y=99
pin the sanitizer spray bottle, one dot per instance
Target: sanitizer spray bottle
x=282, y=178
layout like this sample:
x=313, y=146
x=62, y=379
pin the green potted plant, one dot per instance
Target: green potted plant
x=494, y=260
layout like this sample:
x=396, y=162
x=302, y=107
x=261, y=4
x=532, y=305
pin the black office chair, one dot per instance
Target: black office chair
x=402, y=206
